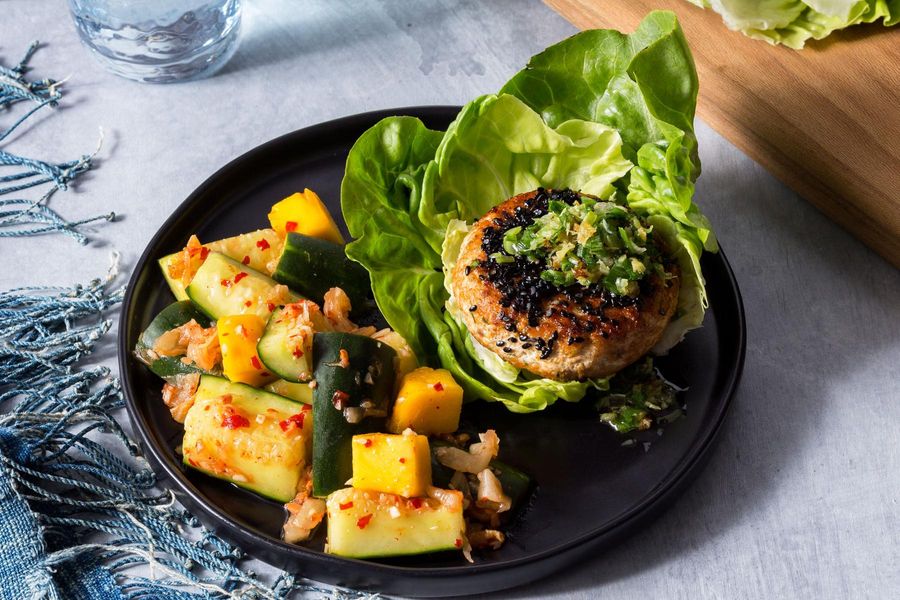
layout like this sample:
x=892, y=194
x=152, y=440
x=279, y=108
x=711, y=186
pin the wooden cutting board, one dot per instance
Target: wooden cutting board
x=825, y=120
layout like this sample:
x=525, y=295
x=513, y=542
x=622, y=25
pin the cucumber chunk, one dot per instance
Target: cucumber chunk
x=224, y=287
x=281, y=353
x=366, y=524
x=259, y=250
x=351, y=373
x=301, y=392
x=312, y=266
x=252, y=438
x=172, y=316
x=175, y=285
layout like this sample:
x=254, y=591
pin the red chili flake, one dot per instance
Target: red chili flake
x=346, y=505
x=403, y=461
x=416, y=502
x=363, y=521
x=265, y=374
x=290, y=226
x=204, y=252
x=255, y=362
x=262, y=244
x=245, y=260
x=270, y=306
x=458, y=543
x=368, y=443
x=295, y=419
x=192, y=462
x=248, y=303
x=226, y=283
x=339, y=398
x=438, y=387
x=298, y=353
x=235, y=421
x=239, y=276
x=226, y=399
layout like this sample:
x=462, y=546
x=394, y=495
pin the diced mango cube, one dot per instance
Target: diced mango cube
x=429, y=402
x=238, y=336
x=305, y=213
x=394, y=464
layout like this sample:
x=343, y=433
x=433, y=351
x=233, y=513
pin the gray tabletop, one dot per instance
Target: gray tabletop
x=800, y=498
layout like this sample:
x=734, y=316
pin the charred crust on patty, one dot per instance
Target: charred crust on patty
x=563, y=333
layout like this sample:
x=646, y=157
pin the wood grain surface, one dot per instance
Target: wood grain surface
x=825, y=120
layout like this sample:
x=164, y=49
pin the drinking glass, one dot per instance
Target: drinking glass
x=159, y=41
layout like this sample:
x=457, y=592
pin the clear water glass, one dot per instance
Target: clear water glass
x=159, y=41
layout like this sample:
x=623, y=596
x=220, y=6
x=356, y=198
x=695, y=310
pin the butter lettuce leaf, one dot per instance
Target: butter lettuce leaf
x=601, y=112
x=794, y=22
x=380, y=194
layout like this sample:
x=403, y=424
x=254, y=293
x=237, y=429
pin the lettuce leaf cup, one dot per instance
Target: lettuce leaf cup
x=603, y=113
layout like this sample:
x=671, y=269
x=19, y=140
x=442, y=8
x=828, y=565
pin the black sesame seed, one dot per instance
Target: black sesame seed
x=473, y=308
x=500, y=343
x=507, y=350
x=526, y=346
x=519, y=281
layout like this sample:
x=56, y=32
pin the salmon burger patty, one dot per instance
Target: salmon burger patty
x=564, y=285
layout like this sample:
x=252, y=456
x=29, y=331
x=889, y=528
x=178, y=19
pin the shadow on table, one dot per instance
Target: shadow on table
x=805, y=283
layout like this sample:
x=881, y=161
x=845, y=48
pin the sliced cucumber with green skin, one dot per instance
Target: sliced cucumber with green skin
x=252, y=438
x=301, y=392
x=280, y=353
x=366, y=524
x=174, y=284
x=223, y=287
x=516, y=484
x=364, y=375
x=172, y=316
x=313, y=266
x=258, y=248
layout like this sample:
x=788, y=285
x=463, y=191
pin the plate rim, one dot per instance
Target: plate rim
x=674, y=483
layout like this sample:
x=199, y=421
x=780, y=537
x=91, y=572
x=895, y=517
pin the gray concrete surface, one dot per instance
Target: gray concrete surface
x=800, y=499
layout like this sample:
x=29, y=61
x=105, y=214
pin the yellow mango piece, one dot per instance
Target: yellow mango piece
x=394, y=464
x=429, y=402
x=238, y=336
x=305, y=213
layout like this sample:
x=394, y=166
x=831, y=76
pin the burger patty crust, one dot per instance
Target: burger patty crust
x=566, y=334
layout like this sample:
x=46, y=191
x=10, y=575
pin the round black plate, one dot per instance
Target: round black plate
x=591, y=489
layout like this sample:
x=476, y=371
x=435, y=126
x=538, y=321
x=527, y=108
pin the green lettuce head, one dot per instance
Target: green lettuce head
x=601, y=112
x=793, y=22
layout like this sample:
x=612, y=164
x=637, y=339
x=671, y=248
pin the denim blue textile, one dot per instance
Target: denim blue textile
x=20, y=216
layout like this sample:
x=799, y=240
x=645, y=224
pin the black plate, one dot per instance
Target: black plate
x=592, y=490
